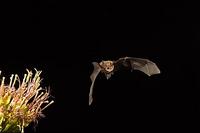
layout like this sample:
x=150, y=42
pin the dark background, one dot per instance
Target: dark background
x=62, y=39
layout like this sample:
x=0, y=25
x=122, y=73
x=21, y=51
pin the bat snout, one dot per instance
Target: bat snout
x=109, y=69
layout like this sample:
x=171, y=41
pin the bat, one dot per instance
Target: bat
x=109, y=67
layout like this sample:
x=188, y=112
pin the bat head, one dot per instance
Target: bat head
x=108, y=66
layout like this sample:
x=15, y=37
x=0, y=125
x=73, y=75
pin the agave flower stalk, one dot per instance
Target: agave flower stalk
x=22, y=103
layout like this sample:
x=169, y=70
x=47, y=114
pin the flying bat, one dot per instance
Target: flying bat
x=109, y=67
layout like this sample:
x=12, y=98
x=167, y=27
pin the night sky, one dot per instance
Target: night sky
x=63, y=39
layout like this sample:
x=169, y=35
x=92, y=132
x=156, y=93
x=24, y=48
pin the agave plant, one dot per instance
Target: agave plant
x=22, y=103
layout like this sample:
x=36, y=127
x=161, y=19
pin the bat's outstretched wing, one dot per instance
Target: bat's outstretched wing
x=93, y=76
x=144, y=65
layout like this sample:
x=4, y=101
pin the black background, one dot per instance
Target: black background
x=62, y=39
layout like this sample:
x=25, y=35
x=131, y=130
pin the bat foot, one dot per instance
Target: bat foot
x=108, y=76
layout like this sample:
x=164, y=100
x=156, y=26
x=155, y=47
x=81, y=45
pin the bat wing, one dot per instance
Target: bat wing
x=146, y=66
x=93, y=76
